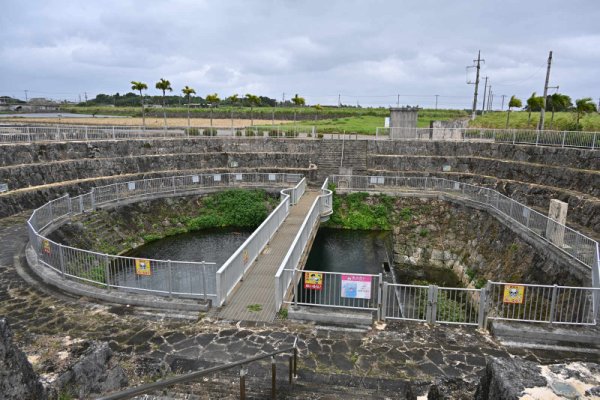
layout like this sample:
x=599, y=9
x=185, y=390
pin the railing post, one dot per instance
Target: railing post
x=594, y=141
x=93, y=199
x=379, y=296
x=86, y=133
x=295, y=361
x=537, y=138
x=170, y=278
x=204, y=280
x=291, y=369
x=295, y=288
x=514, y=136
x=273, y=378
x=107, y=272
x=384, y=296
x=482, y=307
x=553, y=303
x=563, y=138
x=113, y=132
x=173, y=183
x=62, y=261
x=431, y=304
x=242, y=383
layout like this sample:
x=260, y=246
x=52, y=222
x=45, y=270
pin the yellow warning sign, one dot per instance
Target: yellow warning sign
x=142, y=267
x=46, y=249
x=313, y=280
x=514, y=294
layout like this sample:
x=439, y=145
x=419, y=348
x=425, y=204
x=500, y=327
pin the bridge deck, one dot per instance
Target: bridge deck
x=258, y=287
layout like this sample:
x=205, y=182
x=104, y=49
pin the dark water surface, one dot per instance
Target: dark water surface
x=342, y=250
x=212, y=245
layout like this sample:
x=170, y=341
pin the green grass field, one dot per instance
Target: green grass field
x=519, y=119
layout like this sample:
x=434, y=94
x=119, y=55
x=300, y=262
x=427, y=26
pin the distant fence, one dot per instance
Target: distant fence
x=589, y=140
x=25, y=134
x=162, y=277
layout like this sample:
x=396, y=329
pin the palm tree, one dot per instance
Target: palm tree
x=513, y=102
x=212, y=100
x=140, y=86
x=534, y=103
x=164, y=85
x=584, y=106
x=253, y=100
x=558, y=102
x=188, y=91
x=298, y=101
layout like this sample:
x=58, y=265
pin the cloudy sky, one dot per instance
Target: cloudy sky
x=367, y=51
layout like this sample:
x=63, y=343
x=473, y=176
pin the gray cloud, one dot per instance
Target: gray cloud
x=366, y=50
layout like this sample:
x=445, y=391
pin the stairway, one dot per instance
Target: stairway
x=329, y=157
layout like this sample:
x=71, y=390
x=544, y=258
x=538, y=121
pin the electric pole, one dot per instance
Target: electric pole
x=339, y=100
x=490, y=97
x=502, y=107
x=85, y=94
x=436, y=100
x=484, y=94
x=26, y=95
x=478, y=66
x=398, y=101
x=543, y=110
x=282, y=98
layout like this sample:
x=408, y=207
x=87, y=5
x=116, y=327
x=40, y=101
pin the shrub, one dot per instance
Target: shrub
x=210, y=132
x=192, y=131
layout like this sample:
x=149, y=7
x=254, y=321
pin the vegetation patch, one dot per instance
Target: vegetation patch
x=255, y=307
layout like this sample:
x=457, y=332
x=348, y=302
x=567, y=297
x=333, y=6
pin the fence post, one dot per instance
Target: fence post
x=62, y=261
x=170, y=278
x=431, y=299
x=553, y=303
x=93, y=198
x=384, y=296
x=295, y=288
x=204, y=280
x=514, y=136
x=594, y=141
x=242, y=383
x=563, y=139
x=537, y=138
x=107, y=272
x=379, y=296
x=273, y=378
x=70, y=205
x=86, y=132
x=113, y=132
x=482, y=307
x=173, y=183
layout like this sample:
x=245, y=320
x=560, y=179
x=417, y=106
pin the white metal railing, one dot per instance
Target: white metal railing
x=233, y=270
x=60, y=132
x=589, y=140
x=163, y=277
x=321, y=207
x=336, y=289
x=542, y=303
x=571, y=242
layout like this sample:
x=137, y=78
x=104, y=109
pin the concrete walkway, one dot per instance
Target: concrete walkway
x=254, y=299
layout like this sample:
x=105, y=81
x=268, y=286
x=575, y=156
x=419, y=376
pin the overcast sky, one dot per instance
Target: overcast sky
x=367, y=51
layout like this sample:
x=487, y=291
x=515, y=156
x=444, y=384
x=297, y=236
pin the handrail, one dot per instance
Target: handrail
x=129, y=393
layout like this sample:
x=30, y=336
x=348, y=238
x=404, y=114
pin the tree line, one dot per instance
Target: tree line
x=556, y=102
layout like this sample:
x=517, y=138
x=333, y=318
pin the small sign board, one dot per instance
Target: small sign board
x=513, y=294
x=272, y=177
x=356, y=286
x=142, y=267
x=313, y=280
x=386, y=122
x=46, y=249
x=238, y=177
x=376, y=180
x=131, y=185
x=195, y=179
x=217, y=177
x=446, y=168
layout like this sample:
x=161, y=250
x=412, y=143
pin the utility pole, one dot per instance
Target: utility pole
x=543, y=110
x=398, y=101
x=484, y=94
x=80, y=97
x=26, y=95
x=436, y=100
x=502, y=107
x=282, y=98
x=339, y=100
x=478, y=66
x=490, y=97
x=85, y=94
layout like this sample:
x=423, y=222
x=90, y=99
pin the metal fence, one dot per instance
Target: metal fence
x=59, y=132
x=322, y=207
x=336, y=290
x=589, y=140
x=542, y=303
x=569, y=241
x=162, y=277
x=233, y=270
x=433, y=304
